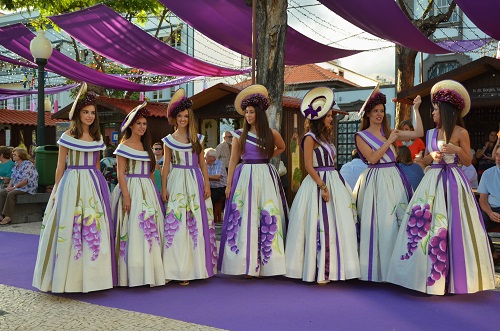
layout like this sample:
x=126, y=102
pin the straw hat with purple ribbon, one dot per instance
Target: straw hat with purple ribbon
x=452, y=92
x=83, y=99
x=139, y=110
x=375, y=98
x=317, y=102
x=178, y=103
x=254, y=95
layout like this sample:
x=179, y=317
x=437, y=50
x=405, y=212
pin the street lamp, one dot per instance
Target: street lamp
x=41, y=49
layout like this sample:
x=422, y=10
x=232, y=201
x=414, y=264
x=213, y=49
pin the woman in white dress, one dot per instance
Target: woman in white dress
x=442, y=246
x=189, y=250
x=137, y=207
x=75, y=252
x=321, y=243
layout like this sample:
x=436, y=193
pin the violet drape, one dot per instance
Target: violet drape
x=109, y=34
x=229, y=22
x=17, y=37
x=16, y=62
x=384, y=19
x=49, y=90
x=462, y=46
x=484, y=14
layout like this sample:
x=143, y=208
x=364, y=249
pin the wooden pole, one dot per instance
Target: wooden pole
x=254, y=37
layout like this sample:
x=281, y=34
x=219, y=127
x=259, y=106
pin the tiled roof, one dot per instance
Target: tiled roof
x=23, y=117
x=156, y=109
x=306, y=74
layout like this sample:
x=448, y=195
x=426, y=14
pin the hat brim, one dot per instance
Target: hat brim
x=325, y=93
x=376, y=89
x=458, y=88
x=130, y=116
x=174, y=101
x=83, y=90
x=246, y=92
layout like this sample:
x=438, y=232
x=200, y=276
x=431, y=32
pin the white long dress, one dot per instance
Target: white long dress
x=139, y=234
x=75, y=252
x=189, y=250
x=321, y=243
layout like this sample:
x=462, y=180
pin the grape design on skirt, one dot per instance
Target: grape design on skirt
x=233, y=224
x=417, y=228
x=268, y=230
x=172, y=225
x=438, y=256
x=148, y=225
x=87, y=230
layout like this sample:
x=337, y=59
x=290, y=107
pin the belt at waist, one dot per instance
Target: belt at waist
x=382, y=165
x=185, y=166
x=332, y=168
x=255, y=161
x=443, y=165
x=82, y=167
x=138, y=176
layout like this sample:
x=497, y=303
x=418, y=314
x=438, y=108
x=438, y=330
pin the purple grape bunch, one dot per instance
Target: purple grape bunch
x=233, y=224
x=318, y=238
x=192, y=227
x=149, y=228
x=123, y=248
x=417, y=228
x=213, y=246
x=92, y=237
x=172, y=225
x=268, y=229
x=438, y=256
x=77, y=237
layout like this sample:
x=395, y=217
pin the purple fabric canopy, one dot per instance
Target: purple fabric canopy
x=384, y=19
x=106, y=32
x=16, y=62
x=229, y=22
x=462, y=46
x=50, y=90
x=17, y=37
x=484, y=14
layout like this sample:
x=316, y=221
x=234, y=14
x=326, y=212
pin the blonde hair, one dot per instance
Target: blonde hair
x=22, y=153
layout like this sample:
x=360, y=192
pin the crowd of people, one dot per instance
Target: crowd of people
x=399, y=212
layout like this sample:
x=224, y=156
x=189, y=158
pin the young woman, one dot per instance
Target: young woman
x=189, y=250
x=442, y=246
x=321, y=243
x=75, y=253
x=136, y=206
x=382, y=191
x=256, y=213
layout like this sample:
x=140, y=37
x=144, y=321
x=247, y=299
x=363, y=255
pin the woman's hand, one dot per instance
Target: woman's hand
x=394, y=136
x=437, y=156
x=228, y=191
x=207, y=192
x=416, y=102
x=325, y=195
x=164, y=195
x=451, y=149
x=126, y=204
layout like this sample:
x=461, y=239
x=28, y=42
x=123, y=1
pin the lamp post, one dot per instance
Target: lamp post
x=41, y=49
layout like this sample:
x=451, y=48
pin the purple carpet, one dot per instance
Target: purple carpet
x=275, y=303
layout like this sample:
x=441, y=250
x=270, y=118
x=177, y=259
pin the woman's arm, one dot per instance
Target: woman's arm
x=121, y=166
x=61, y=166
x=419, y=128
x=233, y=162
x=204, y=171
x=278, y=142
x=167, y=155
x=308, y=162
x=463, y=148
x=374, y=156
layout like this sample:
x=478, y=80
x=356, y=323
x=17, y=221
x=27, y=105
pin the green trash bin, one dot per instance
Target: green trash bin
x=46, y=164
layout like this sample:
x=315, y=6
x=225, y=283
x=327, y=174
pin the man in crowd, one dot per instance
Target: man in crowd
x=224, y=149
x=351, y=170
x=217, y=175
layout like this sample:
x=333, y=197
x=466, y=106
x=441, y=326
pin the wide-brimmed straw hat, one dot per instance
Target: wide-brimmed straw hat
x=452, y=92
x=178, y=103
x=375, y=98
x=254, y=95
x=130, y=116
x=82, y=99
x=317, y=102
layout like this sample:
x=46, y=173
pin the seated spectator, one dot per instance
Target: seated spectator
x=484, y=154
x=5, y=166
x=416, y=146
x=471, y=172
x=489, y=200
x=351, y=170
x=216, y=175
x=413, y=171
x=108, y=168
x=24, y=180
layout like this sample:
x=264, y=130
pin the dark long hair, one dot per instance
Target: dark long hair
x=449, y=116
x=404, y=155
x=75, y=128
x=320, y=130
x=264, y=133
x=365, y=124
x=146, y=143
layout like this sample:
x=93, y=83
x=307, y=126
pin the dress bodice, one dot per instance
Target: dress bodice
x=82, y=153
x=375, y=144
x=182, y=153
x=434, y=145
x=252, y=150
x=138, y=162
x=323, y=155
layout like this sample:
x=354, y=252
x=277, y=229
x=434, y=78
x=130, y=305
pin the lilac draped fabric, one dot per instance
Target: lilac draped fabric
x=229, y=22
x=50, y=90
x=484, y=14
x=17, y=38
x=462, y=46
x=109, y=34
x=16, y=62
x=384, y=19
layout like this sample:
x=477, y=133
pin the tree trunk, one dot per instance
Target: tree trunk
x=405, y=59
x=271, y=30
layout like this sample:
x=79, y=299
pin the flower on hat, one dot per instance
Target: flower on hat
x=377, y=99
x=257, y=99
x=86, y=99
x=450, y=96
x=180, y=105
x=143, y=112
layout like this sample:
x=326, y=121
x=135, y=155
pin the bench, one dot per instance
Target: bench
x=30, y=207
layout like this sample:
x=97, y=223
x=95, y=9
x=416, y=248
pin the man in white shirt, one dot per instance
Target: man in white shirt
x=351, y=170
x=224, y=149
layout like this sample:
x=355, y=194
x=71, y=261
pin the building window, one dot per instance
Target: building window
x=442, y=7
x=3, y=104
x=174, y=39
x=345, y=141
x=440, y=68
